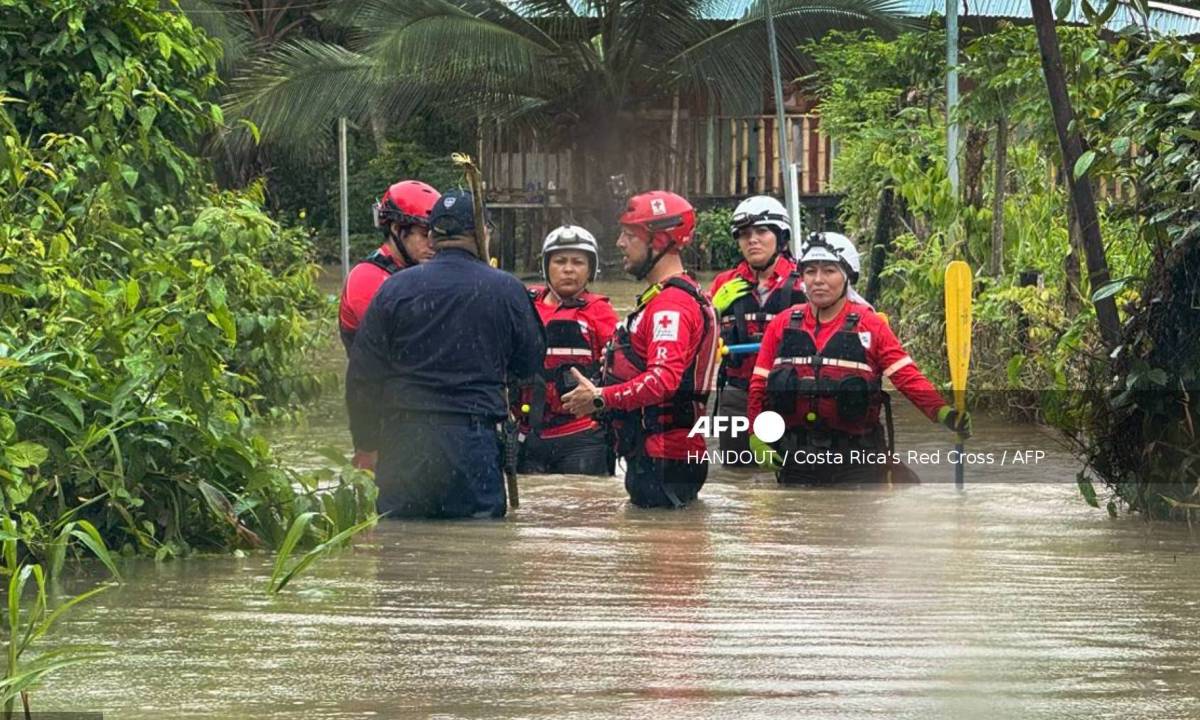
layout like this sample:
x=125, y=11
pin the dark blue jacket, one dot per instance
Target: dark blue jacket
x=444, y=336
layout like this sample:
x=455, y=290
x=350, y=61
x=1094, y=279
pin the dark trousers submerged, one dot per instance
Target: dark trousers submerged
x=441, y=466
x=581, y=453
x=835, y=458
x=654, y=483
x=731, y=402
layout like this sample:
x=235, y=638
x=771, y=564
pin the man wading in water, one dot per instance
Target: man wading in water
x=426, y=382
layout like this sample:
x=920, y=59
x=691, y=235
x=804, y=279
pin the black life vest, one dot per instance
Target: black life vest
x=834, y=388
x=745, y=319
x=566, y=347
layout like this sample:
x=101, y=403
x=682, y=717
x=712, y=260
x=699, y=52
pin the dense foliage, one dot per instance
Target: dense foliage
x=1037, y=350
x=145, y=318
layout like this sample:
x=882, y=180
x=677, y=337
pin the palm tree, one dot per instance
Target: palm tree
x=577, y=71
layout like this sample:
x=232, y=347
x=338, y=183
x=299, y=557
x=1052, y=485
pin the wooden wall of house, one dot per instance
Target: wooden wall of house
x=698, y=157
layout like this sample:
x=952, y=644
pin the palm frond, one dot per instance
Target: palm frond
x=733, y=64
x=295, y=92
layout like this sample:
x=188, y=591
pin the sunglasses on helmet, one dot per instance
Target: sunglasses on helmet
x=744, y=219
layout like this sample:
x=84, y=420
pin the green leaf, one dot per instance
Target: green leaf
x=133, y=294
x=290, y=541
x=70, y=402
x=130, y=175
x=8, y=428
x=1087, y=490
x=1180, y=99
x=313, y=555
x=164, y=45
x=1110, y=288
x=249, y=125
x=1061, y=9
x=1084, y=163
x=1119, y=145
x=87, y=534
x=1015, y=365
x=1089, y=54
x=26, y=454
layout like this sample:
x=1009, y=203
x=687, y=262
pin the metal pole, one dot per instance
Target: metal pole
x=952, y=93
x=793, y=184
x=343, y=183
x=785, y=157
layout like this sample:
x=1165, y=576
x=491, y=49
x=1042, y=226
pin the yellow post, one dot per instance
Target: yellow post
x=958, y=342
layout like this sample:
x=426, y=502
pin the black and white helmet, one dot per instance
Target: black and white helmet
x=570, y=237
x=763, y=210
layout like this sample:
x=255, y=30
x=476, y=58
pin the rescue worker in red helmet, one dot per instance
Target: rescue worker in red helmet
x=821, y=367
x=765, y=283
x=660, y=367
x=402, y=214
x=578, y=325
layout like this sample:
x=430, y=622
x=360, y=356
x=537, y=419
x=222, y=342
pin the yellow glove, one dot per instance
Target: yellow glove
x=767, y=457
x=729, y=293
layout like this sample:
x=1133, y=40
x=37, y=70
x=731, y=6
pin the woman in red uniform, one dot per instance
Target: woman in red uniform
x=821, y=367
x=578, y=325
x=747, y=297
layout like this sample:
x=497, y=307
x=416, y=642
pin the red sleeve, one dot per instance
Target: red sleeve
x=668, y=353
x=895, y=364
x=361, y=285
x=767, y=352
x=603, y=319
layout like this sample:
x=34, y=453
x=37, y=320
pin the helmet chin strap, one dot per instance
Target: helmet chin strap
x=398, y=241
x=643, y=269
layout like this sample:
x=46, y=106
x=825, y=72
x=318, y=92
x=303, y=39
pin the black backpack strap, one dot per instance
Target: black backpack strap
x=384, y=262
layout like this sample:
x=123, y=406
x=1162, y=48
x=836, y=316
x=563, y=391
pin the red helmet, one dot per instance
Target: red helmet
x=409, y=202
x=667, y=217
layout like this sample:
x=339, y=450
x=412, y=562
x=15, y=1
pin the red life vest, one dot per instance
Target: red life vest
x=831, y=389
x=570, y=343
x=745, y=320
x=622, y=363
x=363, y=285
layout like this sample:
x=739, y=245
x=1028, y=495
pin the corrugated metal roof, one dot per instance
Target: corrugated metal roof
x=1167, y=19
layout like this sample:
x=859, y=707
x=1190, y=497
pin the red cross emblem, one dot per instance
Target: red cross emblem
x=665, y=322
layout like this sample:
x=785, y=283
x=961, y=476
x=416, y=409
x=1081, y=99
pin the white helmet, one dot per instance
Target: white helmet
x=831, y=247
x=570, y=237
x=763, y=210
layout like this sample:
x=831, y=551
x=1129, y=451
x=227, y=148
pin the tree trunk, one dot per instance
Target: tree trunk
x=1072, y=148
x=999, y=190
x=881, y=243
x=976, y=149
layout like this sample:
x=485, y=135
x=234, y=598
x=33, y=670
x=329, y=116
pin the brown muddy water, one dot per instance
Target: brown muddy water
x=1012, y=599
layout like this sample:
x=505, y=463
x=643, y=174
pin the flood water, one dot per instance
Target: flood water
x=1012, y=599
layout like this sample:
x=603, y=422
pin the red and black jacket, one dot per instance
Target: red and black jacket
x=577, y=331
x=746, y=318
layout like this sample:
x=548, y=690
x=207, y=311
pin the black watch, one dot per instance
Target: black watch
x=598, y=401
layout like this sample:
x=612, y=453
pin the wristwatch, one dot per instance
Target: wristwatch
x=598, y=401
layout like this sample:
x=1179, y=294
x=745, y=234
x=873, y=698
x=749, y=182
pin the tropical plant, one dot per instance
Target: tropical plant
x=578, y=72
x=145, y=319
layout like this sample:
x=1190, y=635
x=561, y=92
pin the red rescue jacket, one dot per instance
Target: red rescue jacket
x=577, y=331
x=660, y=368
x=361, y=285
x=828, y=375
x=745, y=320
